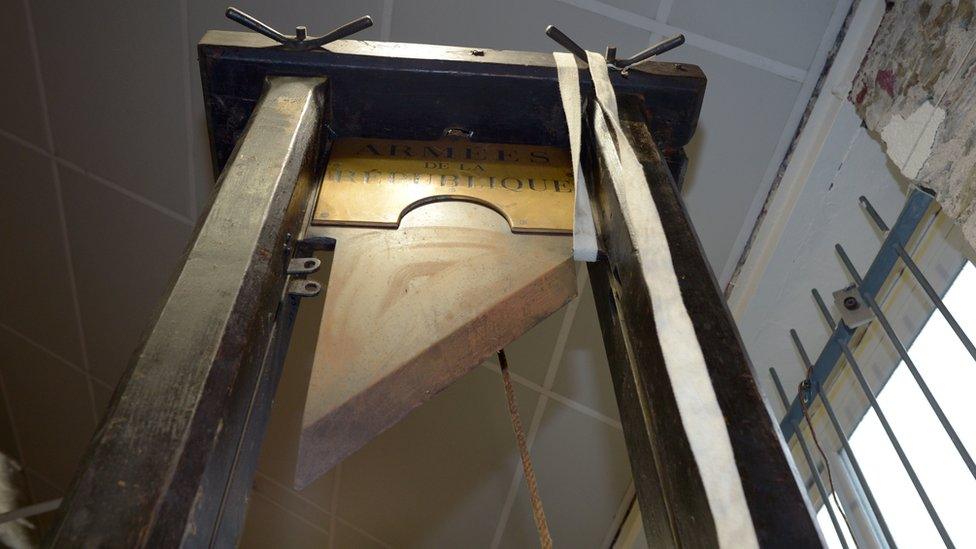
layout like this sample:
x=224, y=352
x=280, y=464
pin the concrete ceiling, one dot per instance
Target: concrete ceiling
x=105, y=170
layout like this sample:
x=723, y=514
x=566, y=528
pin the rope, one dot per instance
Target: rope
x=545, y=540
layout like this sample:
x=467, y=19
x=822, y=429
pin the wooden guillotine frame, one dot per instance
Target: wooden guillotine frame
x=173, y=460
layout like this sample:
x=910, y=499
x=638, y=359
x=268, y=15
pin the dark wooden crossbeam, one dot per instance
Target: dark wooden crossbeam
x=415, y=91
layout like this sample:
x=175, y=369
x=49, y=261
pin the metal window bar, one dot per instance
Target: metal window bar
x=883, y=419
x=843, y=440
x=911, y=216
x=811, y=463
x=909, y=363
x=922, y=281
x=838, y=344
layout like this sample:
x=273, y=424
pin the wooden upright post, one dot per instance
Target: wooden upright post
x=670, y=490
x=164, y=457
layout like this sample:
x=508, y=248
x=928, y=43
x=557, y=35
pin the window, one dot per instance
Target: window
x=827, y=527
x=950, y=372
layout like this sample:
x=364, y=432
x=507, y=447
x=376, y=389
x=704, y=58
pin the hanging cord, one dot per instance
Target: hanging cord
x=545, y=540
x=801, y=392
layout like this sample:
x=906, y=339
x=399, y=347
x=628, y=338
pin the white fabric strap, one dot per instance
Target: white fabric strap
x=584, y=231
x=698, y=406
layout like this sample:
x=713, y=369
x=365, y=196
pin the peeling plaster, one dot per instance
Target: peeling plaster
x=917, y=88
x=910, y=140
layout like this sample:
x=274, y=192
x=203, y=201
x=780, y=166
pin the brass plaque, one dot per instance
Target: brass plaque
x=374, y=182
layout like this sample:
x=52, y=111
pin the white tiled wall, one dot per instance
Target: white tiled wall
x=104, y=168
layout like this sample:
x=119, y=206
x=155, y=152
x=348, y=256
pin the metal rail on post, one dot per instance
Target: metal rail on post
x=169, y=447
x=669, y=487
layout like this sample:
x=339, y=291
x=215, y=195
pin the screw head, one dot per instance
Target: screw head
x=851, y=303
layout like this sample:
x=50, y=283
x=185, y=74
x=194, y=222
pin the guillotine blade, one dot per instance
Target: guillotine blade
x=409, y=310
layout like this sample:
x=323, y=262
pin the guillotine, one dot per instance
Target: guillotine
x=295, y=123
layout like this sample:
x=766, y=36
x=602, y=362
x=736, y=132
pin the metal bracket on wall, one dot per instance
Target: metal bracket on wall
x=851, y=305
